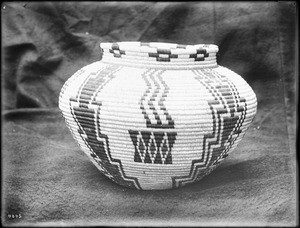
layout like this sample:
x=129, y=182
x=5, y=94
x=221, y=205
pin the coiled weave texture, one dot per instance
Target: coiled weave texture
x=149, y=122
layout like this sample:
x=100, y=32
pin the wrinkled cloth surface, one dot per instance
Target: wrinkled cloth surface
x=48, y=180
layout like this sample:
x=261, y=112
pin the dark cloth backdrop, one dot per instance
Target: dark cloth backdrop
x=46, y=178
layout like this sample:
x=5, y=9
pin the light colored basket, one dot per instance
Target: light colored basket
x=157, y=115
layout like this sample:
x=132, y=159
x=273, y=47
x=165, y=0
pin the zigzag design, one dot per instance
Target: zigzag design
x=225, y=129
x=152, y=101
x=86, y=110
x=236, y=131
x=154, y=146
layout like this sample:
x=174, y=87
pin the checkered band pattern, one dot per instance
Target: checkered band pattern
x=154, y=127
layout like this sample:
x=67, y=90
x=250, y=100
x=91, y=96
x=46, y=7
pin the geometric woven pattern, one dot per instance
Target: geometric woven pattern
x=228, y=110
x=161, y=54
x=154, y=147
x=86, y=117
x=157, y=115
x=152, y=101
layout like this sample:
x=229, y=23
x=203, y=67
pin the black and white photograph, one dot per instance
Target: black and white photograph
x=149, y=114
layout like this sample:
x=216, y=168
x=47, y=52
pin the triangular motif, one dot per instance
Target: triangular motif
x=153, y=147
x=141, y=147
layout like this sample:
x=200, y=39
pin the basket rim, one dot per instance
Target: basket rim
x=152, y=47
x=159, y=54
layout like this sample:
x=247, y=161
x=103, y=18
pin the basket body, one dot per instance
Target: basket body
x=149, y=122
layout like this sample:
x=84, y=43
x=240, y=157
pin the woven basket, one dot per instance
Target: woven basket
x=157, y=115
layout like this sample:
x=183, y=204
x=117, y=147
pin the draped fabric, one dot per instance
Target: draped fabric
x=48, y=180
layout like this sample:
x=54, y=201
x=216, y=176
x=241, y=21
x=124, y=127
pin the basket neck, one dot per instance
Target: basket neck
x=160, y=55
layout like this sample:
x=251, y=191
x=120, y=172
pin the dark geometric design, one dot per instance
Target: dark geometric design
x=152, y=101
x=88, y=123
x=199, y=57
x=163, y=55
x=115, y=50
x=154, y=146
x=226, y=130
